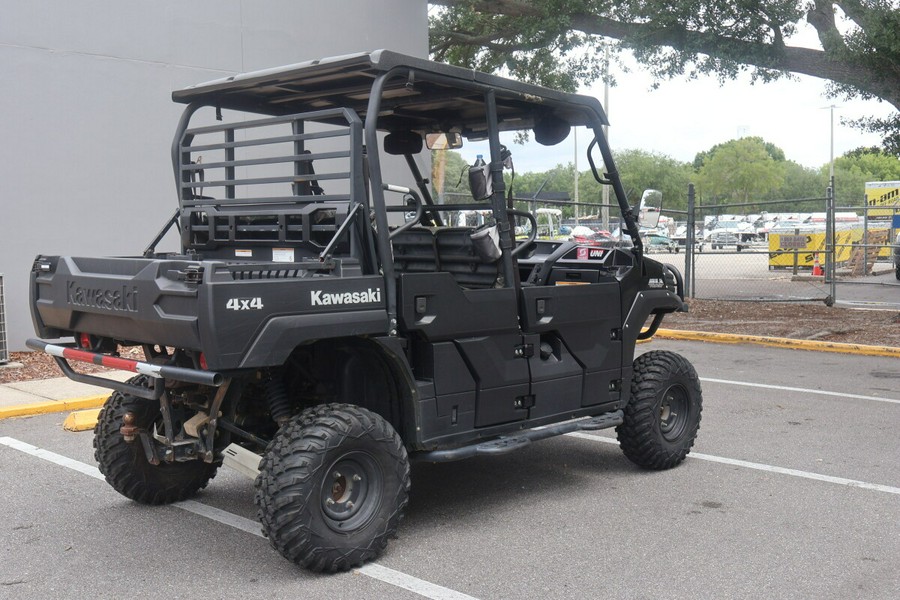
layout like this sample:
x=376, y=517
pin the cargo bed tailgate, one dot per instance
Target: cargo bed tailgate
x=143, y=300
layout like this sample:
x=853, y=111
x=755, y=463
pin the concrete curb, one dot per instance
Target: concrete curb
x=52, y=406
x=82, y=420
x=813, y=345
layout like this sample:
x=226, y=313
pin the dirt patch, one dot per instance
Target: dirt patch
x=789, y=320
x=37, y=365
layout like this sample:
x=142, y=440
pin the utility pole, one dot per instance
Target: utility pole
x=604, y=210
x=831, y=171
x=575, y=132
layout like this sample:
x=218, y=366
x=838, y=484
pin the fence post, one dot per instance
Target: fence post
x=830, y=249
x=689, y=244
x=796, y=253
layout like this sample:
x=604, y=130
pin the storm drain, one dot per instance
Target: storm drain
x=4, y=349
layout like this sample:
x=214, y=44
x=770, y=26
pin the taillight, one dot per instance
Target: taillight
x=85, y=340
x=203, y=364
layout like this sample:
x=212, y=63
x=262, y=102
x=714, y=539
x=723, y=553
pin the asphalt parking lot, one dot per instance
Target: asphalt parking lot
x=792, y=491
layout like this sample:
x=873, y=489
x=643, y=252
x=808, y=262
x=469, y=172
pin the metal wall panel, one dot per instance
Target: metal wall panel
x=85, y=163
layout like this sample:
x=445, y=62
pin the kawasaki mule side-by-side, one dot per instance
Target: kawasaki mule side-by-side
x=322, y=324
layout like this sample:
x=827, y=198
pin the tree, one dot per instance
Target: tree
x=641, y=170
x=853, y=169
x=801, y=182
x=557, y=42
x=447, y=176
x=798, y=182
x=740, y=171
x=772, y=150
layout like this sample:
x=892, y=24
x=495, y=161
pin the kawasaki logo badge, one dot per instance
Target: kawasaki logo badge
x=122, y=298
x=320, y=298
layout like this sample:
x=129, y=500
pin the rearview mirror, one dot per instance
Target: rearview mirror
x=651, y=205
x=401, y=143
x=443, y=141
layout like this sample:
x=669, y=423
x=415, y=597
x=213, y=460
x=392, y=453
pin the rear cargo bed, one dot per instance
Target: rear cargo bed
x=129, y=299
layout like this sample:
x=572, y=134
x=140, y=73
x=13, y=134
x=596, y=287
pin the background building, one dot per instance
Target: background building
x=86, y=119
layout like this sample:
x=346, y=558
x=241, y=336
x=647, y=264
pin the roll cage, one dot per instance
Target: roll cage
x=391, y=92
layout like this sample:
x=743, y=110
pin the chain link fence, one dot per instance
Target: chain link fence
x=790, y=250
x=797, y=250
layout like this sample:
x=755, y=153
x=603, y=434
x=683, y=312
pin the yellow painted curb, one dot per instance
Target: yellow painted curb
x=81, y=420
x=55, y=406
x=51, y=406
x=817, y=346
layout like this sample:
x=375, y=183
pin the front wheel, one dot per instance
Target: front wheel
x=332, y=487
x=897, y=272
x=663, y=415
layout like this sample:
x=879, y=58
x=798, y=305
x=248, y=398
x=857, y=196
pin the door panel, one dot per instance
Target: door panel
x=470, y=344
x=577, y=328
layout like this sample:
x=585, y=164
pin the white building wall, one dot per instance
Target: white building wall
x=86, y=119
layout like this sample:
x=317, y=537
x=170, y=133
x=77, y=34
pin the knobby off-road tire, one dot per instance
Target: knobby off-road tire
x=663, y=415
x=125, y=464
x=332, y=487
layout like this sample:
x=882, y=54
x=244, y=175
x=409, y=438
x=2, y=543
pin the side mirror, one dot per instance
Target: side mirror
x=443, y=141
x=651, y=205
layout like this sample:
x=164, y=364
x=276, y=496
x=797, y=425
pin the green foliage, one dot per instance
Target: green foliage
x=744, y=170
x=740, y=171
x=448, y=182
x=800, y=182
x=641, y=170
x=559, y=43
x=772, y=150
x=855, y=168
x=638, y=169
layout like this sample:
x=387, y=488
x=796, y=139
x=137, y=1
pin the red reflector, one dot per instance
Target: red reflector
x=85, y=340
x=203, y=363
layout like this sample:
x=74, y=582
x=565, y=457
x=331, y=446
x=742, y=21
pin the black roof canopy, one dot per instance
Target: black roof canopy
x=422, y=95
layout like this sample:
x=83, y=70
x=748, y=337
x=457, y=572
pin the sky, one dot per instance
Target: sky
x=683, y=117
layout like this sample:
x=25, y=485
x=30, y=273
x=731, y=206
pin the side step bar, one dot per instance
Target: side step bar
x=505, y=444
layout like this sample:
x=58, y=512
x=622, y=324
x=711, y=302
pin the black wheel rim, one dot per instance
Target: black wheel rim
x=351, y=491
x=674, y=413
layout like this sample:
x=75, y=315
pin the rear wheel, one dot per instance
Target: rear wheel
x=332, y=487
x=125, y=464
x=663, y=416
x=897, y=272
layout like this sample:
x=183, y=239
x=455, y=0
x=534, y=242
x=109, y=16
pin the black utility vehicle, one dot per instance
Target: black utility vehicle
x=320, y=325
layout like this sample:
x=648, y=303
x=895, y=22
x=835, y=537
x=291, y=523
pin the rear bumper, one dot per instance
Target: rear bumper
x=64, y=353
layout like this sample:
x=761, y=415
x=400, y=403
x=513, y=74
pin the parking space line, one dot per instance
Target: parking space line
x=373, y=570
x=53, y=457
x=221, y=516
x=412, y=584
x=877, y=487
x=802, y=390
